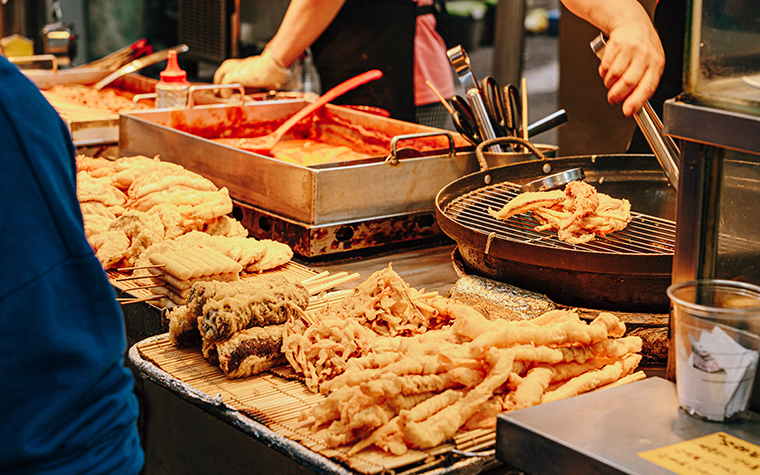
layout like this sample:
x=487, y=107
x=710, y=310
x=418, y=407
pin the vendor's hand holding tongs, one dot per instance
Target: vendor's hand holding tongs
x=664, y=147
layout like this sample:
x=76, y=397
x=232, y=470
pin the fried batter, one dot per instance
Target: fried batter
x=95, y=167
x=110, y=247
x=245, y=251
x=192, y=204
x=231, y=307
x=275, y=255
x=128, y=169
x=529, y=201
x=225, y=226
x=165, y=178
x=99, y=189
x=248, y=352
x=578, y=216
x=142, y=229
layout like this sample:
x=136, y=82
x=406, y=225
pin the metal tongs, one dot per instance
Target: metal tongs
x=663, y=146
x=120, y=57
x=461, y=64
x=138, y=64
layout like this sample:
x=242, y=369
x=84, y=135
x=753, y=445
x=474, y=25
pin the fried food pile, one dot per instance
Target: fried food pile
x=136, y=206
x=453, y=369
x=239, y=325
x=179, y=267
x=383, y=305
x=107, y=99
x=577, y=214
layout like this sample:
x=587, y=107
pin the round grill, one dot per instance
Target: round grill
x=626, y=270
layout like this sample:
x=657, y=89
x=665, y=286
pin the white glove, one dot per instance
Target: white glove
x=256, y=71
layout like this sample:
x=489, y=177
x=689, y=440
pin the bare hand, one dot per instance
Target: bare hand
x=631, y=66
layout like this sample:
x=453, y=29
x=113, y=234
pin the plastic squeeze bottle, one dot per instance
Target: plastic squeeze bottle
x=173, y=88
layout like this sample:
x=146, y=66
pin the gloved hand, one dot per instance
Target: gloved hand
x=256, y=71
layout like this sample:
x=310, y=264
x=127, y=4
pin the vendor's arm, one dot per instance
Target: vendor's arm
x=304, y=21
x=633, y=59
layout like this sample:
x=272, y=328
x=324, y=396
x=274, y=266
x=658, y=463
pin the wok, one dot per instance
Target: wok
x=627, y=270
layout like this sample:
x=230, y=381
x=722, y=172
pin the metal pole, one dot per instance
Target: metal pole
x=509, y=41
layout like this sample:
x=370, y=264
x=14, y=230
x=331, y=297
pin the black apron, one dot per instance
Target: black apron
x=371, y=34
x=670, y=22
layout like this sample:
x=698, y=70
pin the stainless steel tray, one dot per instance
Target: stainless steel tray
x=99, y=131
x=47, y=78
x=343, y=192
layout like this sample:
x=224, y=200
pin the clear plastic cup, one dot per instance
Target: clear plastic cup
x=717, y=341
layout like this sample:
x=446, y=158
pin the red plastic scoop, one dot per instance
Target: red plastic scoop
x=266, y=143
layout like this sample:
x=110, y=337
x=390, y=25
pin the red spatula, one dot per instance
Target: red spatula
x=266, y=143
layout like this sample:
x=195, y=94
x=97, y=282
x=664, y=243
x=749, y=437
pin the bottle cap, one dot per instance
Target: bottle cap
x=173, y=73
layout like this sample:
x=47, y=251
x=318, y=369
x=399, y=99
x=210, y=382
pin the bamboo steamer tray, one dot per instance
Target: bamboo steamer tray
x=269, y=407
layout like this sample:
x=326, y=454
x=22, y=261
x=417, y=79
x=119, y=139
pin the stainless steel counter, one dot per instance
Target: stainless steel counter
x=603, y=432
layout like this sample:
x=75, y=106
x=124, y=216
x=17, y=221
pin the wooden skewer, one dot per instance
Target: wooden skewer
x=440, y=98
x=525, y=108
x=323, y=300
x=122, y=279
x=142, y=287
x=313, y=278
x=323, y=280
x=311, y=282
x=126, y=301
x=156, y=266
x=333, y=283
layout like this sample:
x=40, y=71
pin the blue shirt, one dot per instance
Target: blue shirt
x=66, y=400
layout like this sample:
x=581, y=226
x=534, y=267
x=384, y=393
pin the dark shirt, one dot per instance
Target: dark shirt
x=670, y=22
x=66, y=401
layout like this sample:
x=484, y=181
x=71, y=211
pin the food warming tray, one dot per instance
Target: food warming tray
x=314, y=195
x=100, y=128
x=628, y=270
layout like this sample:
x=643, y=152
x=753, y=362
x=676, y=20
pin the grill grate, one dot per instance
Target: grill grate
x=644, y=234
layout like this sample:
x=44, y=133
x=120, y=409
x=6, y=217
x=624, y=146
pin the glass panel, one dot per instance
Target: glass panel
x=722, y=54
x=739, y=227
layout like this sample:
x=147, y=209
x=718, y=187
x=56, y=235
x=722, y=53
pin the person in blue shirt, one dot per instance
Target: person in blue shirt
x=66, y=400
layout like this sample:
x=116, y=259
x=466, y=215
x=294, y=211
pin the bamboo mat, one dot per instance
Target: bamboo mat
x=278, y=403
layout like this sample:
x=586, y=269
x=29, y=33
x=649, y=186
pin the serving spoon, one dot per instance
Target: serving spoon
x=264, y=144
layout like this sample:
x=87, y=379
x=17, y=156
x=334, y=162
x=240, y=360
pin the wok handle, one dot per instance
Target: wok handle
x=511, y=140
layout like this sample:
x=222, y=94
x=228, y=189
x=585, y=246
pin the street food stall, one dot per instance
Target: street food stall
x=270, y=407
x=239, y=269
x=372, y=296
